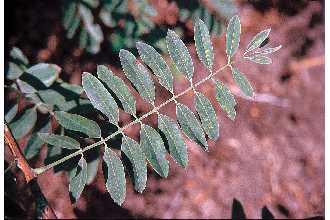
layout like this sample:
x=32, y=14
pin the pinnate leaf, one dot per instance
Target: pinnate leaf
x=190, y=125
x=154, y=149
x=100, y=98
x=138, y=75
x=176, y=144
x=158, y=65
x=60, y=141
x=233, y=35
x=118, y=87
x=135, y=154
x=207, y=116
x=257, y=40
x=225, y=99
x=242, y=82
x=24, y=124
x=78, y=182
x=179, y=54
x=78, y=123
x=203, y=44
x=115, y=176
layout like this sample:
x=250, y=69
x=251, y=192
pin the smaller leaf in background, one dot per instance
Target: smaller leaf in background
x=242, y=82
x=176, y=144
x=155, y=61
x=257, y=40
x=14, y=71
x=233, y=35
x=154, y=149
x=17, y=55
x=83, y=38
x=54, y=98
x=25, y=87
x=92, y=167
x=60, y=141
x=78, y=123
x=135, y=154
x=46, y=73
x=115, y=176
x=179, y=54
x=78, y=182
x=225, y=99
x=70, y=8
x=73, y=27
x=138, y=75
x=72, y=88
x=260, y=59
x=100, y=98
x=207, y=116
x=266, y=214
x=34, y=144
x=118, y=87
x=203, y=44
x=24, y=124
x=224, y=7
x=237, y=211
x=10, y=115
x=190, y=125
x=268, y=50
x=91, y=3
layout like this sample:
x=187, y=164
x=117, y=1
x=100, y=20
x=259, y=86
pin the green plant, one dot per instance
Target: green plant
x=106, y=92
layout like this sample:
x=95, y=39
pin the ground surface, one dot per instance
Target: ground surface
x=272, y=154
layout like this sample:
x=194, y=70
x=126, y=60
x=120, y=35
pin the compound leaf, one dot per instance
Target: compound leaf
x=179, y=54
x=115, y=176
x=207, y=116
x=154, y=149
x=135, y=154
x=78, y=123
x=203, y=44
x=233, y=35
x=46, y=73
x=78, y=182
x=190, y=125
x=24, y=124
x=158, y=65
x=225, y=99
x=242, y=82
x=60, y=141
x=138, y=75
x=176, y=144
x=118, y=87
x=100, y=98
x=257, y=40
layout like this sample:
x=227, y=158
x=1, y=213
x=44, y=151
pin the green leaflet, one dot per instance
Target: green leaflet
x=135, y=154
x=24, y=124
x=190, y=125
x=233, y=35
x=257, y=40
x=72, y=88
x=154, y=149
x=158, y=65
x=60, y=141
x=54, y=98
x=225, y=99
x=138, y=75
x=100, y=98
x=14, y=71
x=207, y=116
x=69, y=13
x=176, y=144
x=92, y=167
x=10, y=115
x=46, y=73
x=260, y=59
x=115, y=176
x=179, y=54
x=203, y=44
x=18, y=55
x=118, y=87
x=78, y=123
x=78, y=182
x=268, y=50
x=25, y=87
x=242, y=82
x=34, y=144
x=73, y=27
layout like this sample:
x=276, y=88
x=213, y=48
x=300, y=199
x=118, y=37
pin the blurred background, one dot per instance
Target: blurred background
x=271, y=155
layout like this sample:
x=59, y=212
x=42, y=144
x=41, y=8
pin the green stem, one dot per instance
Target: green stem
x=43, y=169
